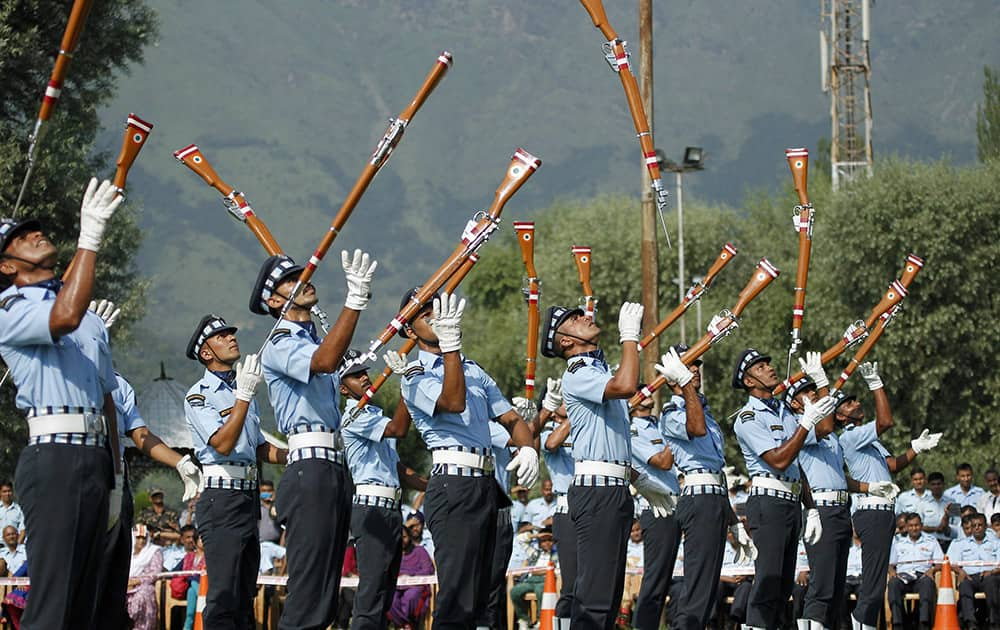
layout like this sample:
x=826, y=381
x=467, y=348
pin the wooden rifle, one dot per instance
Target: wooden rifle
x=588, y=302
x=798, y=162
x=526, y=239
x=693, y=294
x=721, y=326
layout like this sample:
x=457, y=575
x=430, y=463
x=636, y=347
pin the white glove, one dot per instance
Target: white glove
x=814, y=527
x=869, y=372
x=553, y=394
x=525, y=465
x=190, y=475
x=446, y=322
x=812, y=365
x=629, y=322
x=672, y=369
x=661, y=502
x=746, y=551
x=885, y=489
x=925, y=441
x=359, y=272
x=99, y=203
x=248, y=377
x=395, y=361
x=105, y=309
x=115, y=501
x=525, y=408
x=814, y=412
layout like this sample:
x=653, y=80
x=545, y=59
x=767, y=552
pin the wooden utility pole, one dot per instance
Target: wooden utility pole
x=648, y=251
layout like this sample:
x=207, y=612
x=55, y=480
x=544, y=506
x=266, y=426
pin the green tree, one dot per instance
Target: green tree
x=988, y=117
x=30, y=32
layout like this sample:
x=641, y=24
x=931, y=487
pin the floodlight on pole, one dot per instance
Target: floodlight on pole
x=694, y=160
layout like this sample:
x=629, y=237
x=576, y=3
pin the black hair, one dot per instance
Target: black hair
x=6, y=482
x=963, y=466
x=913, y=515
x=935, y=476
x=189, y=528
x=917, y=470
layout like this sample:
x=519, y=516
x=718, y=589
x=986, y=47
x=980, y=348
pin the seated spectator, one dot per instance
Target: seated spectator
x=147, y=561
x=976, y=579
x=901, y=525
x=421, y=536
x=173, y=555
x=965, y=524
x=519, y=504
x=15, y=601
x=188, y=513
x=935, y=512
x=161, y=521
x=267, y=527
x=409, y=603
x=517, y=554
x=913, y=562
x=911, y=500
x=185, y=587
x=962, y=494
x=10, y=512
x=537, y=552
x=735, y=581
x=989, y=503
x=12, y=553
x=540, y=510
x=995, y=524
x=269, y=552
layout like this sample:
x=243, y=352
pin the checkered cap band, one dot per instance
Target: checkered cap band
x=282, y=268
x=556, y=316
x=797, y=387
x=208, y=326
x=212, y=327
x=747, y=359
x=8, y=226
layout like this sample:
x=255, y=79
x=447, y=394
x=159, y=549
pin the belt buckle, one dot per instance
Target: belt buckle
x=94, y=423
x=842, y=496
x=796, y=487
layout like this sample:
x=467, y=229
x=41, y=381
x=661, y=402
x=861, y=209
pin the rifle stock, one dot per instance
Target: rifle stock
x=521, y=167
x=236, y=203
x=136, y=132
x=582, y=256
x=859, y=330
x=526, y=240
x=693, y=295
x=721, y=326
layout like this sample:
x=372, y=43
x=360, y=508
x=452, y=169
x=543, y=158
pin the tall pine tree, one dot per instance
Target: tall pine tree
x=115, y=35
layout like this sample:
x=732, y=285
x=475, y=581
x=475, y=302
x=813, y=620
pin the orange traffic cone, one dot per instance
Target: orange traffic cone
x=546, y=617
x=199, y=607
x=946, y=614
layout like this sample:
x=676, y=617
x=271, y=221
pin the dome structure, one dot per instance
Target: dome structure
x=161, y=404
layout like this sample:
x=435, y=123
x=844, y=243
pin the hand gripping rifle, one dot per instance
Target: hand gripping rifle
x=238, y=206
x=379, y=157
x=477, y=232
x=618, y=58
x=526, y=239
x=693, y=295
x=588, y=302
x=721, y=326
x=70, y=40
x=912, y=269
x=858, y=331
x=410, y=344
x=802, y=219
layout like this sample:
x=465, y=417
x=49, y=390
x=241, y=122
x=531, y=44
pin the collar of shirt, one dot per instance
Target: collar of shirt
x=647, y=422
x=597, y=355
x=52, y=284
x=305, y=329
x=213, y=381
x=772, y=405
x=31, y=291
x=431, y=360
x=228, y=377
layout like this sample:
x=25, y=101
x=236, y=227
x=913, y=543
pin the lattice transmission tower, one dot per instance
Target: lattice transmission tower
x=846, y=75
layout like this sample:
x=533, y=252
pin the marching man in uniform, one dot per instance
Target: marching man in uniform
x=224, y=421
x=771, y=436
x=452, y=400
x=703, y=510
x=376, y=521
x=59, y=359
x=302, y=381
x=869, y=462
x=600, y=505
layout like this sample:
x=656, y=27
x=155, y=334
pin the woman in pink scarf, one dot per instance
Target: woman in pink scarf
x=147, y=562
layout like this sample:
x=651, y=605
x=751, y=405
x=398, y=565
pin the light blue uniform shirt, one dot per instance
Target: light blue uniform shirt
x=823, y=462
x=599, y=428
x=14, y=559
x=864, y=454
x=915, y=556
x=421, y=387
x=301, y=401
x=705, y=452
x=129, y=418
x=931, y=512
x=955, y=495
x=499, y=437
x=558, y=461
x=760, y=427
x=971, y=550
x=11, y=515
x=74, y=370
x=854, y=560
x=371, y=456
x=207, y=407
x=910, y=501
x=647, y=441
x=538, y=511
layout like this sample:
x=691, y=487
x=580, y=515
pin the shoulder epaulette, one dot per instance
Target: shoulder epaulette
x=746, y=415
x=279, y=333
x=416, y=370
x=575, y=365
x=225, y=412
x=196, y=400
x=6, y=303
x=669, y=407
